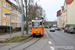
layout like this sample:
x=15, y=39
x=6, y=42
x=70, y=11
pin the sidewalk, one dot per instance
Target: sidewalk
x=3, y=37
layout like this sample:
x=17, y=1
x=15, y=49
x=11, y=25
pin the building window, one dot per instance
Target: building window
x=8, y=23
x=8, y=16
x=4, y=3
x=8, y=6
x=4, y=23
x=4, y=14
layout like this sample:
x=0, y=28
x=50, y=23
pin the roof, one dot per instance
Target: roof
x=10, y=3
x=69, y=1
x=58, y=13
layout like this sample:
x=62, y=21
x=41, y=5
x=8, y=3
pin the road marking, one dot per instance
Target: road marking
x=47, y=35
x=50, y=42
x=52, y=48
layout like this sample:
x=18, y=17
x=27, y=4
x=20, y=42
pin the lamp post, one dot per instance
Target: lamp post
x=10, y=24
x=22, y=23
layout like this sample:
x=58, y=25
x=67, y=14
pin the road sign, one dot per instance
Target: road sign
x=10, y=24
x=7, y=14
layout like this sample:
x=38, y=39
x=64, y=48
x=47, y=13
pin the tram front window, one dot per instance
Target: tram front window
x=36, y=24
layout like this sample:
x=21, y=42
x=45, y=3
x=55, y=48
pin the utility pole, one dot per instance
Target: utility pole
x=22, y=23
x=26, y=17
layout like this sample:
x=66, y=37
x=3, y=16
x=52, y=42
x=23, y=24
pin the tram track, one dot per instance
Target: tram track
x=31, y=38
x=31, y=44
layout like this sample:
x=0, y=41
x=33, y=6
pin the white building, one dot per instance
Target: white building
x=19, y=19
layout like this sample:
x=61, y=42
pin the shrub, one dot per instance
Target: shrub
x=63, y=28
x=18, y=28
x=5, y=27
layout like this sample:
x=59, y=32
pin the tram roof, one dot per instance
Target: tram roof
x=37, y=18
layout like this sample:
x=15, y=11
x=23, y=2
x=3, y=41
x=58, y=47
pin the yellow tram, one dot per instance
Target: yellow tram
x=37, y=26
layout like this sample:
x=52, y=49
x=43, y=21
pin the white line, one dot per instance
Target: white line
x=52, y=48
x=50, y=42
x=47, y=34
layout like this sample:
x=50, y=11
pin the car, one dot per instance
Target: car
x=52, y=30
x=71, y=30
x=66, y=29
x=58, y=29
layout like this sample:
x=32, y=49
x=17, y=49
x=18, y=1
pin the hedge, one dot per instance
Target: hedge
x=5, y=27
x=18, y=28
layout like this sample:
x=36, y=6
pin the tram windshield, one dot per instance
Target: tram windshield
x=37, y=24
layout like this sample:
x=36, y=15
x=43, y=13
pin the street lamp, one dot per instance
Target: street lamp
x=10, y=24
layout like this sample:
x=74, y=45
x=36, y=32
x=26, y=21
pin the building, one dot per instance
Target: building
x=0, y=12
x=67, y=14
x=5, y=7
x=15, y=15
x=59, y=18
x=19, y=18
x=69, y=7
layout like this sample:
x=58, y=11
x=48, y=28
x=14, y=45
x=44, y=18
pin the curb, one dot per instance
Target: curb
x=12, y=36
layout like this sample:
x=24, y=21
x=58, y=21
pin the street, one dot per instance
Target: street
x=62, y=41
x=22, y=22
x=57, y=40
x=35, y=43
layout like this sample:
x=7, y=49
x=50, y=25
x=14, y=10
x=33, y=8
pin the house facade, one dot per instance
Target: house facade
x=19, y=18
x=8, y=7
x=70, y=12
x=15, y=15
x=0, y=12
x=59, y=18
x=5, y=7
x=67, y=14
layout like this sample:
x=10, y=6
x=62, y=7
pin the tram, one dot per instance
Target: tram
x=37, y=26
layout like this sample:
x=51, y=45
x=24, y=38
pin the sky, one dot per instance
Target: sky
x=51, y=7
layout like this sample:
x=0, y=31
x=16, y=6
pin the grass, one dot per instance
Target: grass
x=14, y=39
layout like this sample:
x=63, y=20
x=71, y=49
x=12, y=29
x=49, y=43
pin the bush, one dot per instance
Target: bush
x=46, y=27
x=5, y=27
x=15, y=39
x=63, y=28
x=18, y=28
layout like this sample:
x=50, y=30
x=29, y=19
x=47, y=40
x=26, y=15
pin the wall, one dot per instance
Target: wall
x=71, y=13
x=14, y=16
x=19, y=19
x=6, y=10
x=0, y=12
x=59, y=21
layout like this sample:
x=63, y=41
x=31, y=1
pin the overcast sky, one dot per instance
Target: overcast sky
x=51, y=7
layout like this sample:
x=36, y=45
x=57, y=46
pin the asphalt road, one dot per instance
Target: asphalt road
x=34, y=44
x=62, y=41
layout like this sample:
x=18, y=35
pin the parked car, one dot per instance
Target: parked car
x=66, y=29
x=71, y=30
x=58, y=29
x=52, y=30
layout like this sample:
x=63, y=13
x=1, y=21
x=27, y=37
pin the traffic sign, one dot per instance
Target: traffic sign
x=7, y=14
